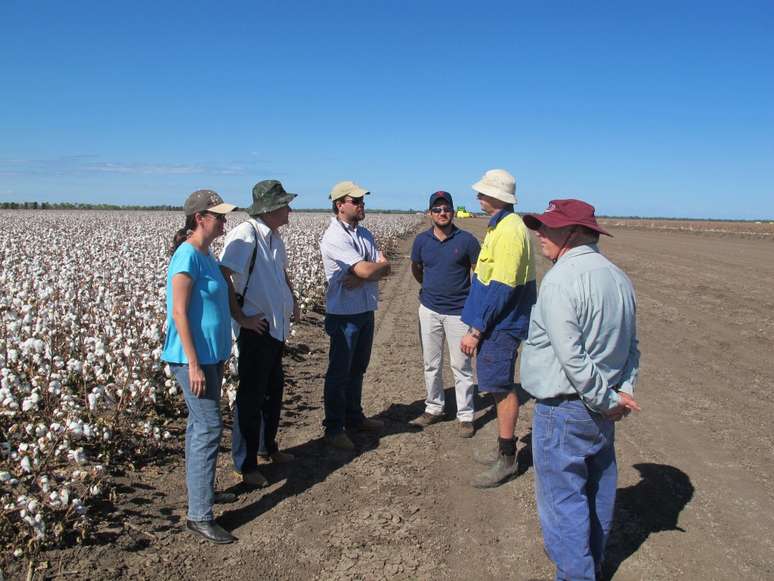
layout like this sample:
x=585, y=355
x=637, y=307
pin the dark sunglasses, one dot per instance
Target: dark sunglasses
x=355, y=201
x=439, y=209
x=221, y=217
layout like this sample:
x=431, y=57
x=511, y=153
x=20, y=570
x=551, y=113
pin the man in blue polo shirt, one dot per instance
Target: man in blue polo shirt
x=441, y=260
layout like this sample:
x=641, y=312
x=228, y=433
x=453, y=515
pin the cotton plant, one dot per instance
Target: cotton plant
x=83, y=390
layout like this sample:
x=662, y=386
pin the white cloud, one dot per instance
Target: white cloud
x=90, y=164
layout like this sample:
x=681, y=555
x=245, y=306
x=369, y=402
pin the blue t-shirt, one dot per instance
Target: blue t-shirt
x=446, y=269
x=208, y=310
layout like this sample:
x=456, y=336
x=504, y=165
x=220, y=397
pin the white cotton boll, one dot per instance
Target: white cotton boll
x=78, y=506
x=75, y=366
x=4, y=476
x=92, y=401
x=76, y=428
x=18, y=553
x=78, y=456
x=95, y=490
x=28, y=404
x=127, y=351
x=26, y=466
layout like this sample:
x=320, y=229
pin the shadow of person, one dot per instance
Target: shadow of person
x=314, y=462
x=650, y=506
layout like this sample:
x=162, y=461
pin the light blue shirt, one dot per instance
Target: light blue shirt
x=342, y=247
x=208, y=309
x=583, y=332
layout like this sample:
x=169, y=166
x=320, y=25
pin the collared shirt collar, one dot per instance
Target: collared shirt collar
x=578, y=251
x=452, y=234
x=346, y=226
x=494, y=220
x=261, y=226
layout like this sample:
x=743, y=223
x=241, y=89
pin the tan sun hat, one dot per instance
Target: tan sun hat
x=206, y=201
x=347, y=188
x=499, y=184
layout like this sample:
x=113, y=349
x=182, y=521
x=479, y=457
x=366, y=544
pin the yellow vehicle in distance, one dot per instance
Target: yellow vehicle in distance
x=463, y=213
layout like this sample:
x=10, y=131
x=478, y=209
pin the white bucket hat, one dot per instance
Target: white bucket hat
x=499, y=184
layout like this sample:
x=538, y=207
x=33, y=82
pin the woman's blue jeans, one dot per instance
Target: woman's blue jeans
x=576, y=475
x=202, y=439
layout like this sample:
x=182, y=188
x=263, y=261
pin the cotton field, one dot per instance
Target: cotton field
x=82, y=389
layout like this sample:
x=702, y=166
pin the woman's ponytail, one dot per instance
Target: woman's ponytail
x=183, y=234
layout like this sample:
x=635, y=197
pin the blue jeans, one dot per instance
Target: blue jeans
x=202, y=438
x=351, y=340
x=576, y=474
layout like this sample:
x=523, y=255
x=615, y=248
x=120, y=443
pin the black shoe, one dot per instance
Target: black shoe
x=211, y=531
x=224, y=497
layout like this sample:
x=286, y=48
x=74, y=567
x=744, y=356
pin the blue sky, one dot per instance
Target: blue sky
x=654, y=108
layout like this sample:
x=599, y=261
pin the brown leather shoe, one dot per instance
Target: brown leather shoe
x=278, y=457
x=466, y=430
x=426, y=419
x=255, y=478
x=339, y=441
x=370, y=425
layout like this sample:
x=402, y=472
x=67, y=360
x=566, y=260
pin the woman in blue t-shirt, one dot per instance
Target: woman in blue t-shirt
x=197, y=345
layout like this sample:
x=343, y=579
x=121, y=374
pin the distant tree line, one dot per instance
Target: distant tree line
x=79, y=206
x=82, y=206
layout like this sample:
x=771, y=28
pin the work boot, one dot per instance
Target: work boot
x=224, y=497
x=278, y=457
x=500, y=472
x=254, y=478
x=339, y=441
x=370, y=425
x=466, y=430
x=210, y=530
x=486, y=455
x=426, y=419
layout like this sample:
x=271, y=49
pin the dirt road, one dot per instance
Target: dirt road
x=695, y=501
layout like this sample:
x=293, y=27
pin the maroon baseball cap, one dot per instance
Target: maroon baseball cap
x=562, y=213
x=441, y=195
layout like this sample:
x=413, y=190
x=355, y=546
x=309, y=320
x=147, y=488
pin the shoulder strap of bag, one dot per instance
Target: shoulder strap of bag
x=252, y=260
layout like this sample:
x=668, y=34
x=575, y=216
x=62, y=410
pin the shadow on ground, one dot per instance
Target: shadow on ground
x=650, y=506
x=314, y=462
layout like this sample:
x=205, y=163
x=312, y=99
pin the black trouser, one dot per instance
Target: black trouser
x=259, y=397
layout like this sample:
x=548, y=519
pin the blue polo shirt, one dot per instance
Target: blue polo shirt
x=446, y=269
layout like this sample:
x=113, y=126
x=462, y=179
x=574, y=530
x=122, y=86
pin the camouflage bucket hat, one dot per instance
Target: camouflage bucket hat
x=269, y=195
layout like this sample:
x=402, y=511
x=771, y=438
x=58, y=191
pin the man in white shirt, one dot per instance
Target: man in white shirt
x=353, y=266
x=254, y=263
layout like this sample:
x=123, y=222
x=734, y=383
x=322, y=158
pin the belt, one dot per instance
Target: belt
x=559, y=399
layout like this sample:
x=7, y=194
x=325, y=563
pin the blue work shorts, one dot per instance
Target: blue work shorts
x=496, y=362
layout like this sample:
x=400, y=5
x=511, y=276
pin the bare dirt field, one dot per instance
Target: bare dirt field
x=696, y=469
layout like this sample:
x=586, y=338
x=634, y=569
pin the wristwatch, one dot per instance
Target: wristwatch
x=475, y=333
